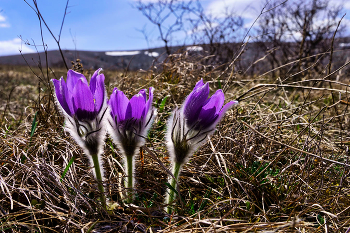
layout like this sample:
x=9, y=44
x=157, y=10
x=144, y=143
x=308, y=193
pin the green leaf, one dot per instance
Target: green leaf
x=162, y=104
x=92, y=226
x=34, y=124
x=320, y=219
x=219, y=84
x=247, y=204
x=204, y=200
x=23, y=159
x=171, y=187
x=67, y=167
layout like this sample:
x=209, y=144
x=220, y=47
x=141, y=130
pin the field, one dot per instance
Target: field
x=278, y=161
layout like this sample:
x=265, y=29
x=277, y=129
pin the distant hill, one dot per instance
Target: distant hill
x=144, y=59
x=135, y=59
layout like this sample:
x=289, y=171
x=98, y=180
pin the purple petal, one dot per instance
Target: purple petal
x=198, y=84
x=136, y=106
x=211, y=109
x=216, y=100
x=93, y=80
x=62, y=94
x=119, y=103
x=194, y=102
x=83, y=101
x=206, y=118
x=144, y=94
x=72, y=79
x=99, y=92
x=149, y=101
x=224, y=110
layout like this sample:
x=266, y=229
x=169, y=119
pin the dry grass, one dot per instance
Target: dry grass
x=277, y=163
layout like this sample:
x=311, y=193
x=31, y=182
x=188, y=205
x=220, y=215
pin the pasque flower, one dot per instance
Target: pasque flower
x=129, y=124
x=84, y=107
x=190, y=126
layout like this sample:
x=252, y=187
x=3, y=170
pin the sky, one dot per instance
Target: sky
x=96, y=25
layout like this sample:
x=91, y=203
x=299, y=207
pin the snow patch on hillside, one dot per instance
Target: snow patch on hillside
x=122, y=53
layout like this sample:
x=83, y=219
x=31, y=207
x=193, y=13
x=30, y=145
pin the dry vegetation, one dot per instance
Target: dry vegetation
x=278, y=162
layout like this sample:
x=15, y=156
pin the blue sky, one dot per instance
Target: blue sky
x=100, y=25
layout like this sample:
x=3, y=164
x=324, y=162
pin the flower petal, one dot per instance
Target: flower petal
x=62, y=94
x=149, y=102
x=211, y=109
x=194, y=102
x=136, y=106
x=93, y=80
x=198, y=84
x=99, y=92
x=216, y=100
x=72, y=79
x=206, y=118
x=119, y=103
x=224, y=110
x=83, y=101
x=111, y=103
x=144, y=94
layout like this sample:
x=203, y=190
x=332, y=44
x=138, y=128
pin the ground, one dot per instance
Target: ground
x=277, y=162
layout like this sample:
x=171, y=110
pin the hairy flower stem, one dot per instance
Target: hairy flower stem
x=129, y=181
x=99, y=179
x=171, y=197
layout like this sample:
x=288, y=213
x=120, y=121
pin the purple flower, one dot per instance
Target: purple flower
x=201, y=112
x=78, y=99
x=129, y=123
x=83, y=106
x=189, y=126
x=131, y=119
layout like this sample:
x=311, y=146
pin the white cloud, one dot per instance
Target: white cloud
x=344, y=22
x=12, y=47
x=344, y=3
x=347, y=5
x=3, y=23
x=243, y=8
x=203, y=27
x=148, y=1
x=2, y=18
